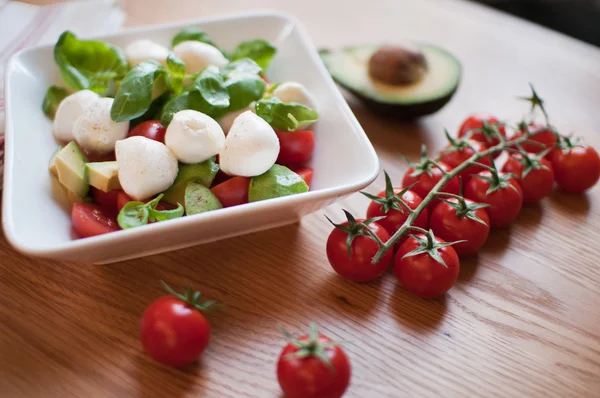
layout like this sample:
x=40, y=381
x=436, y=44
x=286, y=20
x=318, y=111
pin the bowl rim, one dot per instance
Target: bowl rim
x=29, y=247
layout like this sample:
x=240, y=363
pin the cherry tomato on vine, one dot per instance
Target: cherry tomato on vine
x=542, y=137
x=461, y=219
x=534, y=174
x=350, y=250
x=458, y=151
x=387, y=204
x=313, y=366
x=481, y=127
x=426, y=174
x=174, y=330
x=426, y=265
x=576, y=168
x=501, y=191
x=152, y=129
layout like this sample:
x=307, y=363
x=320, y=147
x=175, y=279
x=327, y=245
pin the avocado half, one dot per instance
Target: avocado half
x=349, y=67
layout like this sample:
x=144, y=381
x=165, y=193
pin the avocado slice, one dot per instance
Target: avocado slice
x=276, y=182
x=70, y=167
x=52, y=162
x=401, y=95
x=203, y=173
x=104, y=175
x=199, y=199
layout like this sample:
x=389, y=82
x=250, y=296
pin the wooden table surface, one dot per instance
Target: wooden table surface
x=522, y=321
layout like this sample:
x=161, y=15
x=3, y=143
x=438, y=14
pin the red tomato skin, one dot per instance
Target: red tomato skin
x=577, y=169
x=106, y=200
x=232, y=192
x=476, y=122
x=446, y=225
x=306, y=173
x=544, y=136
x=89, y=220
x=425, y=182
x=152, y=129
x=173, y=333
x=295, y=147
x=122, y=200
x=505, y=203
x=219, y=178
x=421, y=275
x=309, y=377
x=393, y=218
x=537, y=184
x=97, y=157
x=357, y=268
x=454, y=158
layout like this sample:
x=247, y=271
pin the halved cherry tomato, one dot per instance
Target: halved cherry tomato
x=220, y=177
x=152, y=129
x=536, y=179
x=122, y=200
x=106, y=200
x=232, y=192
x=97, y=157
x=306, y=173
x=295, y=147
x=89, y=220
x=474, y=123
x=543, y=136
x=576, y=169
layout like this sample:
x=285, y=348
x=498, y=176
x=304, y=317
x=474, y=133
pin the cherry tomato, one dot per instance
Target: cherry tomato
x=106, y=200
x=220, y=177
x=174, y=330
x=122, y=200
x=395, y=218
x=537, y=183
x=232, y=192
x=458, y=221
x=358, y=267
x=425, y=181
x=306, y=173
x=89, y=220
x=308, y=376
x=454, y=157
x=97, y=157
x=150, y=129
x=477, y=122
x=295, y=147
x=422, y=274
x=505, y=200
x=540, y=134
x=576, y=169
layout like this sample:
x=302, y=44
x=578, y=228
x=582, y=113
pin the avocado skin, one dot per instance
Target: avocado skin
x=404, y=112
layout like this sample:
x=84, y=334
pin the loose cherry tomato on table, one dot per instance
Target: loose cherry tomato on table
x=482, y=128
x=295, y=147
x=89, y=220
x=232, y=192
x=152, y=129
x=458, y=151
x=425, y=175
x=306, y=173
x=534, y=174
x=501, y=191
x=388, y=204
x=174, y=330
x=576, y=168
x=457, y=219
x=426, y=265
x=313, y=366
x=350, y=249
x=542, y=137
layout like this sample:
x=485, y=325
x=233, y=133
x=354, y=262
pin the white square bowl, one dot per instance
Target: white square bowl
x=36, y=225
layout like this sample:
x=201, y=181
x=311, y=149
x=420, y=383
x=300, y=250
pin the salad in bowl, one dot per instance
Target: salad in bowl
x=147, y=133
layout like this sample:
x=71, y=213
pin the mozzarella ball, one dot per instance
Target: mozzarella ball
x=69, y=110
x=194, y=136
x=144, y=50
x=197, y=56
x=146, y=167
x=227, y=121
x=96, y=131
x=251, y=147
x=295, y=92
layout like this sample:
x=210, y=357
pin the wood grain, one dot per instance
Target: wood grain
x=523, y=320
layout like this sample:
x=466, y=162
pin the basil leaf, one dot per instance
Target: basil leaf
x=52, y=100
x=176, y=69
x=163, y=215
x=133, y=214
x=173, y=106
x=89, y=64
x=195, y=34
x=244, y=89
x=260, y=51
x=134, y=97
x=285, y=115
x=244, y=65
x=154, y=112
x=154, y=202
x=276, y=182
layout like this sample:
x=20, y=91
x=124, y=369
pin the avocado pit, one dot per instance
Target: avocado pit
x=398, y=65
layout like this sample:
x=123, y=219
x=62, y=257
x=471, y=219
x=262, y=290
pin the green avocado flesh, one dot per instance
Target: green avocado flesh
x=203, y=173
x=349, y=67
x=199, y=199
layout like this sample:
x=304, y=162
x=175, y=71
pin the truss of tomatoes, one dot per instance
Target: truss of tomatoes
x=100, y=216
x=457, y=221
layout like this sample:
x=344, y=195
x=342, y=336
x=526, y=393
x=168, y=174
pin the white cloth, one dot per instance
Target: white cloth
x=23, y=25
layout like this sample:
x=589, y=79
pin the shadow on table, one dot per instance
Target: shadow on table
x=154, y=379
x=417, y=313
x=570, y=203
